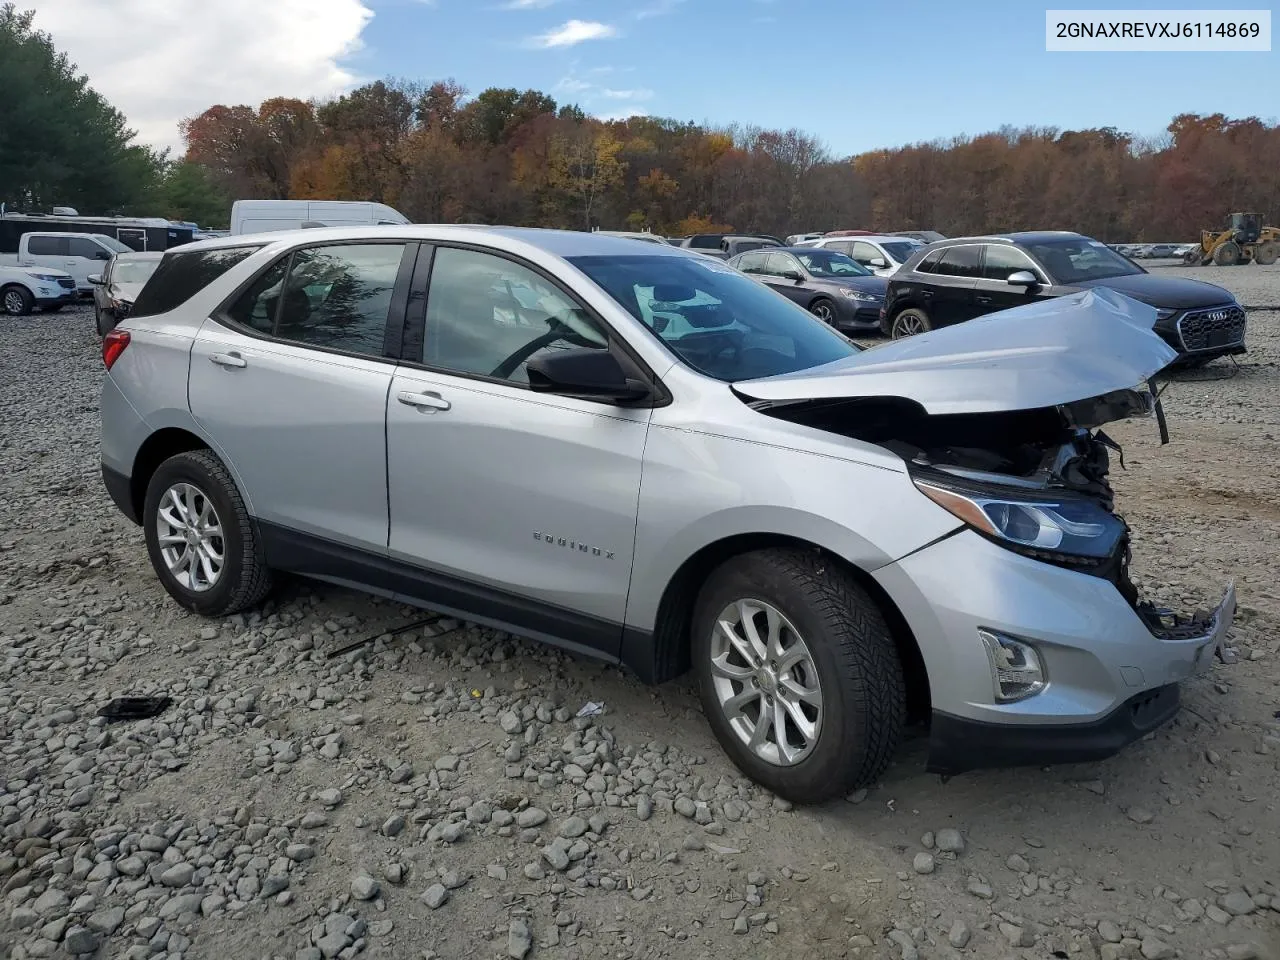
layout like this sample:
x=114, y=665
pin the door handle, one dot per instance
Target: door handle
x=984, y=299
x=423, y=401
x=228, y=360
x=926, y=294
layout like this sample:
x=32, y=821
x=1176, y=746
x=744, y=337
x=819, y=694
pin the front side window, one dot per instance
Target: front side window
x=826, y=263
x=488, y=316
x=1002, y=261
x=962, y=261
x=42, y=246
x=83, y=247
x=182, y=274
x=783, y=265
x=714, y=319
x=334, y=297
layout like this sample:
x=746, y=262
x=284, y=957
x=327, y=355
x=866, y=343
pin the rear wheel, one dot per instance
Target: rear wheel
x=824, y=310
x=16, y=301
x=1267, y=253
x=203, y=544
x=798, y=674
x=1227, y=254
x=909, y=322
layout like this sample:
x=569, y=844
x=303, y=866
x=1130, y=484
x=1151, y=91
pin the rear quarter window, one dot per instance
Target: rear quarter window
x=181, y=275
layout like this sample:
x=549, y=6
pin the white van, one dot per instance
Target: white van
x=79, y=254
x=264, y=216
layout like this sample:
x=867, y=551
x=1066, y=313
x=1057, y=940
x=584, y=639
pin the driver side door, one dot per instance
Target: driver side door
x=514, y=506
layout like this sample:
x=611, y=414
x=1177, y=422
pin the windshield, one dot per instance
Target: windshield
x=827, y=263
x=114, y=245
x=1079, y=259
x=715, y=319
x=133, y=271
x=901, y=250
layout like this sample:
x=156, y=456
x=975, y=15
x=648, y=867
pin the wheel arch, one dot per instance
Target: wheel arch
x=664, y=653
x=155, y=450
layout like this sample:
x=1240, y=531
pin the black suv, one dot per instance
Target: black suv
x=956, y=280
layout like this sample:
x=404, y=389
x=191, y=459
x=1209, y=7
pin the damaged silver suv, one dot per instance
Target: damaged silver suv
x=638, y=453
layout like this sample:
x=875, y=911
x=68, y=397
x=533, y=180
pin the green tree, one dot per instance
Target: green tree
x=60, y=141
x=189, y=192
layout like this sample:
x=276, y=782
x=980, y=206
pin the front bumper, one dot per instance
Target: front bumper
x=1099, y=656
x=60, y=299
x=854, y=316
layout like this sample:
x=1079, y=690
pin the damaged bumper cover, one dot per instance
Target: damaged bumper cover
x=1112, y=673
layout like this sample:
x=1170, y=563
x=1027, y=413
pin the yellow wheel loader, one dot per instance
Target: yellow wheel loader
x=1245, y=239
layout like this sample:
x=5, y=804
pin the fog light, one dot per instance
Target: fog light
x=1015, y=667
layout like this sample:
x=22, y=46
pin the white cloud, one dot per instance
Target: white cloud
x=528, y=4
x=625, y=113
x=640, y=94
x=574, y=32
x=159, y=61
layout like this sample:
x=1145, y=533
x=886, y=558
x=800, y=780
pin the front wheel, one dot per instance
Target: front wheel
x=16, y=301
x=102, y=321
x=909, y=322
x=1227, y=254
x=203, y=544
x=824, y=310
x=798, y=674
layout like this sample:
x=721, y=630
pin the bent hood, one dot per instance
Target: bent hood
x=1046, y=354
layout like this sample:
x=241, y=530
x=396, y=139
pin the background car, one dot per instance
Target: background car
x=957, y=280
x=924, y=236
x=882, y=254
x=834, y=288
x=118, y=286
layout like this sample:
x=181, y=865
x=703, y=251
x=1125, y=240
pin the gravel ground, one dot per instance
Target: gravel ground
x=435, y=794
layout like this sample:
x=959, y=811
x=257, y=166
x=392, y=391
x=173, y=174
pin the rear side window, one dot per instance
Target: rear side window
x=83, y=247
x=181, y=275
x=960, y=261
x=930, y=263
x=41, y=246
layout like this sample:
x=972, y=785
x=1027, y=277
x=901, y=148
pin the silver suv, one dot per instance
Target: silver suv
x=643, y=455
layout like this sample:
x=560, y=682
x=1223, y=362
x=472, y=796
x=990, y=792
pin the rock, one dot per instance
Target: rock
x=313, y=820
x=923, y=863
x=557, y=856
x=299, y=852
x=979, y=889
x=1017, y=864
x=959, y=935
x=402, y=773
x=496, y=871
x=510, y=723
x=392, y=826
x=573, y=827
x=1109, y=931
x=1016, y=935
x=332, y=944
x=519, y=939
x=949, y=840
x=1242, y=951
x=179, y=875
x=1237, y=903
x=80, y=940
x=53, y=903
x=1153, y=949
x=330, y=798
x=905, y=944
x=435, y=896
x=365, y=887
x=106, y=921
x=1140, y=815
x=531, y=817
x=644, y=808
x=686, y=807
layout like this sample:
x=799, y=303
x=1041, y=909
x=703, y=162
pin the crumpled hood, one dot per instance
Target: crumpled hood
x=1045, y=354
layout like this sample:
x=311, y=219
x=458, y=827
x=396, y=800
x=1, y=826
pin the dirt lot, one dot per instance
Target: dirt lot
x=435, y=795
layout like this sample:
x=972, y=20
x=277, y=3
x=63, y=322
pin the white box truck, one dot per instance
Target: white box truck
x=265, y=216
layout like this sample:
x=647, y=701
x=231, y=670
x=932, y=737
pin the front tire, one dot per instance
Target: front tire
x=824, y=310
x=909, y=322
x=785, y=640
x=203, y=544
x=102, y=321
x=1227, y=254
x=16, y=301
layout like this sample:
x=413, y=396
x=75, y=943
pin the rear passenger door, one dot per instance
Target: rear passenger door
x=952, y=285
x=517, y=505
x=291, y=378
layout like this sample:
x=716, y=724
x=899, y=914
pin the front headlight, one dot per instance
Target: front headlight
x=1034, y=520
x=1164, y=313
x=45, y=277
x=858, y=295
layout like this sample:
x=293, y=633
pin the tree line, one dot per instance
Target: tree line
x=519, y=157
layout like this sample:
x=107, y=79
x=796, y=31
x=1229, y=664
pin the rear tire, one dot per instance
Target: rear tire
x=909, y=322
x=1267, y=253
x=849, y=662
x=1227, y=254
x=194, y=486
x=16, y=301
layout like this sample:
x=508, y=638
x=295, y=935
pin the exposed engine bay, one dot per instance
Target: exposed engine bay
x=1053, y=450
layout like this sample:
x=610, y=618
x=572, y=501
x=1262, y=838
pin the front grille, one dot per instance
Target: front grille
x=68, y=282
x=1215, y=327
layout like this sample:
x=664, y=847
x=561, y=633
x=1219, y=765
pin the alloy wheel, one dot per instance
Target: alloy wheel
x=190, y=537
x=766, y=682
x=822, y=311
x=13, y=302
x=907, y=325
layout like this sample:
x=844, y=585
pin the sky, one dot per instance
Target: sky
x=859, y=74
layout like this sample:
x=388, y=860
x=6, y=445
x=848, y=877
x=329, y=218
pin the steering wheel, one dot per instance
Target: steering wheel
x=558, y=331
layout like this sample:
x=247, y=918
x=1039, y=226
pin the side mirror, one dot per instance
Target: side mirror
x=95, y=279
x=102, y=255
x=1022, y=278
x=877, y=262
x=590, y=373
x=791, y=275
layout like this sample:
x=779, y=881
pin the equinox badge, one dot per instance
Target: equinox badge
x=568, y=544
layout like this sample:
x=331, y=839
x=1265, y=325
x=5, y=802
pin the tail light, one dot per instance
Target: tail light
x=113, y=345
